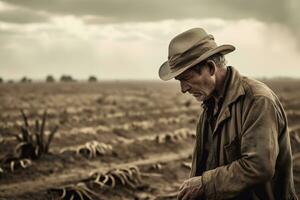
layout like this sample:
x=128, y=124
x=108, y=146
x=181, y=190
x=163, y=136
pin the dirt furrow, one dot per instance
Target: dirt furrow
x=77, y=174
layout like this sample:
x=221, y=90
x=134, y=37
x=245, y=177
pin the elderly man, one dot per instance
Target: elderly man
x=242, y=149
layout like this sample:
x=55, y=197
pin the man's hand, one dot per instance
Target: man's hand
x=191, y=189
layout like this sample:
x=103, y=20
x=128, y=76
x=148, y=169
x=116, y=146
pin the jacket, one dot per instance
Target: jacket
x=252, y=144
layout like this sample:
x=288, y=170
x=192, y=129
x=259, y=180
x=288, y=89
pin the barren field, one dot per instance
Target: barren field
x=115, y=140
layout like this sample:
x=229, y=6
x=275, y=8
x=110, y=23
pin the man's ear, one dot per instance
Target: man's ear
x=211, y=66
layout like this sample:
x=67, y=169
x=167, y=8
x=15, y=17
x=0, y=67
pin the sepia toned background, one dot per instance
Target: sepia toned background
x=117, y=131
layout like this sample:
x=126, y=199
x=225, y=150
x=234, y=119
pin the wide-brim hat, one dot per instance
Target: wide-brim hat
x=188, y=49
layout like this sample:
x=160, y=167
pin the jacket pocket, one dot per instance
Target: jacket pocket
x=233, y=150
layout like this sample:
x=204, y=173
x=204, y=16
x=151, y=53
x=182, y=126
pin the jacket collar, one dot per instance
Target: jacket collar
x=235, y=88
x=233, y=92
x=212, y=101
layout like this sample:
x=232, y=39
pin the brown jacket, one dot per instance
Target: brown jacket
x=253, y=146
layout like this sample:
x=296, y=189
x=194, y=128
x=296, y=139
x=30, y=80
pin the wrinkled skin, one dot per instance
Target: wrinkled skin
x=191, y=189
x=199, y=84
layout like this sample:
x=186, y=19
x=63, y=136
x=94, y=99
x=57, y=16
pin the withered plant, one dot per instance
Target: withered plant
x=90, y=149
x=72, y=192
x=97, y=181
x=129, y=176
x=33, y=143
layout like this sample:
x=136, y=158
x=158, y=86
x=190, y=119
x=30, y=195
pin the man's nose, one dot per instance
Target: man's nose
x=184, y=87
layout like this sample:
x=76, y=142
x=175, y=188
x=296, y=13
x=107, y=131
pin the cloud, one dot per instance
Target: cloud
x=135, y=50
x=99, y=12
x=156, y=10
x=17, y=14
x=22, y=17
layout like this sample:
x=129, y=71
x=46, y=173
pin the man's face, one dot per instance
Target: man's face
x=199, y=84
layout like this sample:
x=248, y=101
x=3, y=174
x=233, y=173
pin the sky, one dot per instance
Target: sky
x=128, y=39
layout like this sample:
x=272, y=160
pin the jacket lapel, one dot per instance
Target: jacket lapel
x=234, y=91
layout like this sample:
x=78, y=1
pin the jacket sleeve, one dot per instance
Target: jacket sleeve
x=259, y=150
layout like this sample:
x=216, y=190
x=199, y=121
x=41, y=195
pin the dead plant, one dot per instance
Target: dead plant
x=33, y=144
x=90, y=149
x=178, y=135
x=11, y=163
x=74, y=192
x=130, y=177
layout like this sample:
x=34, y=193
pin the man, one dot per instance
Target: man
x=242, y=149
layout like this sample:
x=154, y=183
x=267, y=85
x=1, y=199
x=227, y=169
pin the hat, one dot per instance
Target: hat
x=188, y=49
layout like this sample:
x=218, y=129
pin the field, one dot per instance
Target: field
x=116, y=140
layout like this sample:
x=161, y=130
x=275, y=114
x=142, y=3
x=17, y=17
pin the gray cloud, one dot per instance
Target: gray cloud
x=284, y=12
x=22, y=17
x=136, y=50
x=137, y=10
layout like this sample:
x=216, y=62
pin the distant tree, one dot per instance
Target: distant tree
x=24, y=79
x=1, y=80
x=92, y=79
x=66, y=78
x=50, y=79
x=10, y=81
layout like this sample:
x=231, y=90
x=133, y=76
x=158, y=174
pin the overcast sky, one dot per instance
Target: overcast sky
x=128, y=39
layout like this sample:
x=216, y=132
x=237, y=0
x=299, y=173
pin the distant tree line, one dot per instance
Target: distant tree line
x=67, y=78
x=51, y=79
x=25, y=80
x=92, y=79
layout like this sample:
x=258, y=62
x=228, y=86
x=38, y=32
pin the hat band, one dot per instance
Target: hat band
x=192, y=53
x=189, y=59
